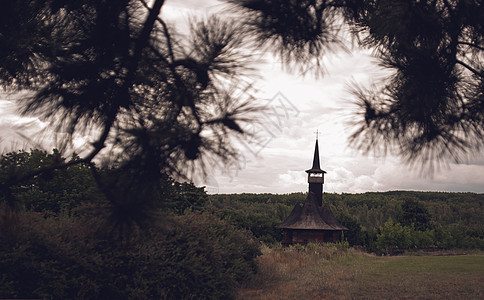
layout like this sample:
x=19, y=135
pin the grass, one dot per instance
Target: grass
x=325, y=272
x=422, y=277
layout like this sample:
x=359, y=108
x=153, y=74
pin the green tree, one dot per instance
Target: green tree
x=181, y=196
x=393, y=235
x=354, y=235
x=52, y=191
x=414, y=214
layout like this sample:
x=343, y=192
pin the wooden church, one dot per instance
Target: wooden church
x=311, y=221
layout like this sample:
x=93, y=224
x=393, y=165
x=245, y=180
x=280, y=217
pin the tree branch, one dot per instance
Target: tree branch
x=470, y=44
x=98, y=146
x=480, y=74
x=144, y=36
x=165, y=32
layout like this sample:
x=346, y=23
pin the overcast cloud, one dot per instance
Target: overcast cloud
x=323, y=104
x=301, y=105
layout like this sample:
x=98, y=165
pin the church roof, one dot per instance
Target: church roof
x=316, y=168
x=311, y=216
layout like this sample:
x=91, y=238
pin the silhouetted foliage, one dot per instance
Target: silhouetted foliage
x=431, y=108
x=155, y=103
x=299, y=32
x=65, y=239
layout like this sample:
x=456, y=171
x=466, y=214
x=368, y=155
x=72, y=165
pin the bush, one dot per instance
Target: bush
x=38, y=262
x=198, y=256
x=393, y=235
x=206, y=258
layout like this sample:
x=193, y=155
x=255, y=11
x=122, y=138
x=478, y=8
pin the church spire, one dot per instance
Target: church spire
x=316, y=167
x=316, y=157
x=316, y=177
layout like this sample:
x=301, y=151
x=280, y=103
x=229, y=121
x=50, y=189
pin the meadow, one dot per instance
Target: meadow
x=333, y=272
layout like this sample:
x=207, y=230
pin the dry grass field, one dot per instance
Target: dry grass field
x=330, y=272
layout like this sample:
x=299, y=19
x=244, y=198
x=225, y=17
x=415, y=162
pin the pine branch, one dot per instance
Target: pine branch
x=471, y=44
x=476, y=72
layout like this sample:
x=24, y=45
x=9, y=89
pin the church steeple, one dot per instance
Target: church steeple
x=312, y=222
x=316, y=177
x=316, y=168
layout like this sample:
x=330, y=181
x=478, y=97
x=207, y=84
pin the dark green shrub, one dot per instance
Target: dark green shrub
x=37, y=261
x=207, y=258
x=197, y=256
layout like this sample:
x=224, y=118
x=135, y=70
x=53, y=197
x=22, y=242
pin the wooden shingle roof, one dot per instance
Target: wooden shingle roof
x=311, y=216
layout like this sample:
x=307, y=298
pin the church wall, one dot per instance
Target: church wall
x=306, y=236
x=310, y=236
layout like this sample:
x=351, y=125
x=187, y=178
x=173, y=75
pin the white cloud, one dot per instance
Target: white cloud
x=17, y=132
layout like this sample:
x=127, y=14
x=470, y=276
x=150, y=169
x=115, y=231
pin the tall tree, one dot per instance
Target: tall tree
x=155, y=102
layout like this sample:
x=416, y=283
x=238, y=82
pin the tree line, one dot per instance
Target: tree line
x=376, y=220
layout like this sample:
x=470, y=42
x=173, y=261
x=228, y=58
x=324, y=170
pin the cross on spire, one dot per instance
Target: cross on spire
x=317, y=133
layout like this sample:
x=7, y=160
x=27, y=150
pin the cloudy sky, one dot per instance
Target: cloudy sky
x=297, y=106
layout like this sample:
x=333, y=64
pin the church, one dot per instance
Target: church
x=311, y=221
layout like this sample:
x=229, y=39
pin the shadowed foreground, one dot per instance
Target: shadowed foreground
x=326, y=272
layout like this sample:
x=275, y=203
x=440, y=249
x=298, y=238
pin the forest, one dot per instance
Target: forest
x=62, y=237
x=377, y=221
